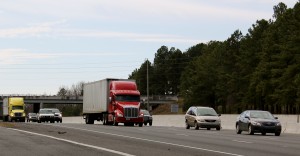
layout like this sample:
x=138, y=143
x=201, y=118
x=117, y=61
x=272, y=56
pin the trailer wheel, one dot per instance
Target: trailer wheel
x=86, y=119
x=89, y=120
x=104, y=120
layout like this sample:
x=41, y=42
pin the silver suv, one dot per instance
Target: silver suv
x=45, y=115
x=57, y=114
x=202, y=117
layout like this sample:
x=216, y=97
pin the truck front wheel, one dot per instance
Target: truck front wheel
x=115, y=123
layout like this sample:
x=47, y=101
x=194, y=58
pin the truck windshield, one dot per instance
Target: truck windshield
x=17, y=107
x=131, y=98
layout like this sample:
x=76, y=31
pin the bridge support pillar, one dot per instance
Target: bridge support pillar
x=41, y=105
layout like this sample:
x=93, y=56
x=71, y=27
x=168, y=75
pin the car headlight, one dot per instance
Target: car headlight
x=255, y=123
x=23, y=114
x=12, y=114
x=278, y=124
x=200, y=120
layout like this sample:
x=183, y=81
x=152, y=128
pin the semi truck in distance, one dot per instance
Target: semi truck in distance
x=13, y=109
x=112, y=101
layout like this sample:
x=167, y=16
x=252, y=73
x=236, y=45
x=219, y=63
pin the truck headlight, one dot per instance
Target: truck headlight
x=119, y=115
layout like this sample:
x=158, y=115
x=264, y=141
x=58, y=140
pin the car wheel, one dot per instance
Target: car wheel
x=277, y=133
x=218, y=128
x=187, y=126
x=250, y=131
x=196, y=125
x=208, y=128
x=263, y=133
x=150, y=123
x=145, y=123
x=237, y=128
x=140, y=124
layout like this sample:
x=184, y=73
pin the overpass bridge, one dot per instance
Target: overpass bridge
x=39, y=101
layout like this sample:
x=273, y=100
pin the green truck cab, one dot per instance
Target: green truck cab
x=14, y=109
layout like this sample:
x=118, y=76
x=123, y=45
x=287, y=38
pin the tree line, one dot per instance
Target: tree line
x=259, y=70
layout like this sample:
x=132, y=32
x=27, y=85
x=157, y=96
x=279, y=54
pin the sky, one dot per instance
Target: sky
x=46, y=44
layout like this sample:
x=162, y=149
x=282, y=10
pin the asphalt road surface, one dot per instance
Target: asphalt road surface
x=30, y=139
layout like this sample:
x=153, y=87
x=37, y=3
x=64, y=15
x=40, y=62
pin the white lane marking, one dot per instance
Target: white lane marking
x=241, y=141
x=271, y=138
x=76, y=143
x=183, y=134
x=161, y=142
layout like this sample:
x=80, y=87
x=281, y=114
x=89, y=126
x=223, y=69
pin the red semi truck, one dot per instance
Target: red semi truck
x=112, y=101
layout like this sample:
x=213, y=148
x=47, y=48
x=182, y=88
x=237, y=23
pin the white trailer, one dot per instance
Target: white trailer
x=95, y=97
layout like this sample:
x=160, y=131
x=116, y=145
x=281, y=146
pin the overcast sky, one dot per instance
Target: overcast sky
x=45, y=44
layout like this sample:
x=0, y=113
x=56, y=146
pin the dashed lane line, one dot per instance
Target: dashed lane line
x=149, y=140
x=76, y=143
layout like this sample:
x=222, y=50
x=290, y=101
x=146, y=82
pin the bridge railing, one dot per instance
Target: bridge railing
x=161, y=97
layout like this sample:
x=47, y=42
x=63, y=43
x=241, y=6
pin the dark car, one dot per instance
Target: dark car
x=57, y=114
x=31, y=117
x=147, y=117
x=259, y=121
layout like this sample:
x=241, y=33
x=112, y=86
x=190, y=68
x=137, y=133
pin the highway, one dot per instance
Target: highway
x=89, y=140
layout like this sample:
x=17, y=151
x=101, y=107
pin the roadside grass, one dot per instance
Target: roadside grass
x=7, y=125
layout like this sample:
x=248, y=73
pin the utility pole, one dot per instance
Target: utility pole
x=148, y=108
x=298, y=113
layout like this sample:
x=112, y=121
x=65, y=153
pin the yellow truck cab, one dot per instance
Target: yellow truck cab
x=13, y=109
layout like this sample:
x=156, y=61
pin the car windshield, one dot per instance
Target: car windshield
x=45, y=111
x=55, y=110
x=206, y=112
x=32, y=114
x=145, y=112
x=261, y=115
x=130, y=98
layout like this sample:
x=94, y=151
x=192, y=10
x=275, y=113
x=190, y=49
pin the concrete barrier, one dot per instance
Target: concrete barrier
x=288, y=122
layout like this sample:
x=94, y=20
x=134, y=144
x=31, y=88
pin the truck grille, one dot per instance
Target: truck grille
x=18, y=114
x=131, y=112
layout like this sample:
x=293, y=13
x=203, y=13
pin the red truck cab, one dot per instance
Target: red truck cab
x=124, y=105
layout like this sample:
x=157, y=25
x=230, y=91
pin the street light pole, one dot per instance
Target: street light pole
x=148, y=108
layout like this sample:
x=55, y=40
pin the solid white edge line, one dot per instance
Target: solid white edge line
x=74, y=142
x=161, y=142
